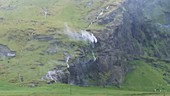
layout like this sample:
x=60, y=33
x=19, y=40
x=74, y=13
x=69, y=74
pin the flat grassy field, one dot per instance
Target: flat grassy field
x=67, y=90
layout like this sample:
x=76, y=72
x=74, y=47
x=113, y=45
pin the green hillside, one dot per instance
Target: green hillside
x=40, y=41
x=145, y=77
x=26, y=18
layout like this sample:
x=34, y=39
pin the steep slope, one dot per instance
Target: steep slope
x=136, y=30
x=146, y=77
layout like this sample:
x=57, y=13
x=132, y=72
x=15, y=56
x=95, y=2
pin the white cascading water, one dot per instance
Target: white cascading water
x=49, y=75
x=83, y=35
x=94, y=57
x=67, y=59
x=87, y=36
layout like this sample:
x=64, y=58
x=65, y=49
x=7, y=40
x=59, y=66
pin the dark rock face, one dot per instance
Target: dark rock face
x=149, y=25
x=82, y=71
x=43, y=38
x=136, y=28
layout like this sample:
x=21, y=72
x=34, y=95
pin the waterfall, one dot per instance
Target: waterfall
x=83, y=35
x=67, y=59
x=49, y=75
x=94, y=57
x=87, y=36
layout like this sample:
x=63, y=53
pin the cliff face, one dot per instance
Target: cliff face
x=137, y=28
x=143, y=31
x=150, y=25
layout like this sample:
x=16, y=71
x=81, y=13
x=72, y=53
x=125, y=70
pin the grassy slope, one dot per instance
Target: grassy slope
x=60, y=11
x=144, y=77
x=22, y=17
x=147, y=77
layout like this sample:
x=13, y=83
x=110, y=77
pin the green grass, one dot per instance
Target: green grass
x=145, y=77
x=60, y=12
x=67, y=90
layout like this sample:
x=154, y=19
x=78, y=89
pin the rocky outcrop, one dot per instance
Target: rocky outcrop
x=135, y=29
x=5, y=52
x=43, y=38
x=58, y=74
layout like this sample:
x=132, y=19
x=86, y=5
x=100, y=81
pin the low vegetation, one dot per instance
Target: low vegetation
x=68, y=90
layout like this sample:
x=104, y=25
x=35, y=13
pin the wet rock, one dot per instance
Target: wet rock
x=43, y=38
x=82, y=71
x=5, y=52
x=57, y=74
